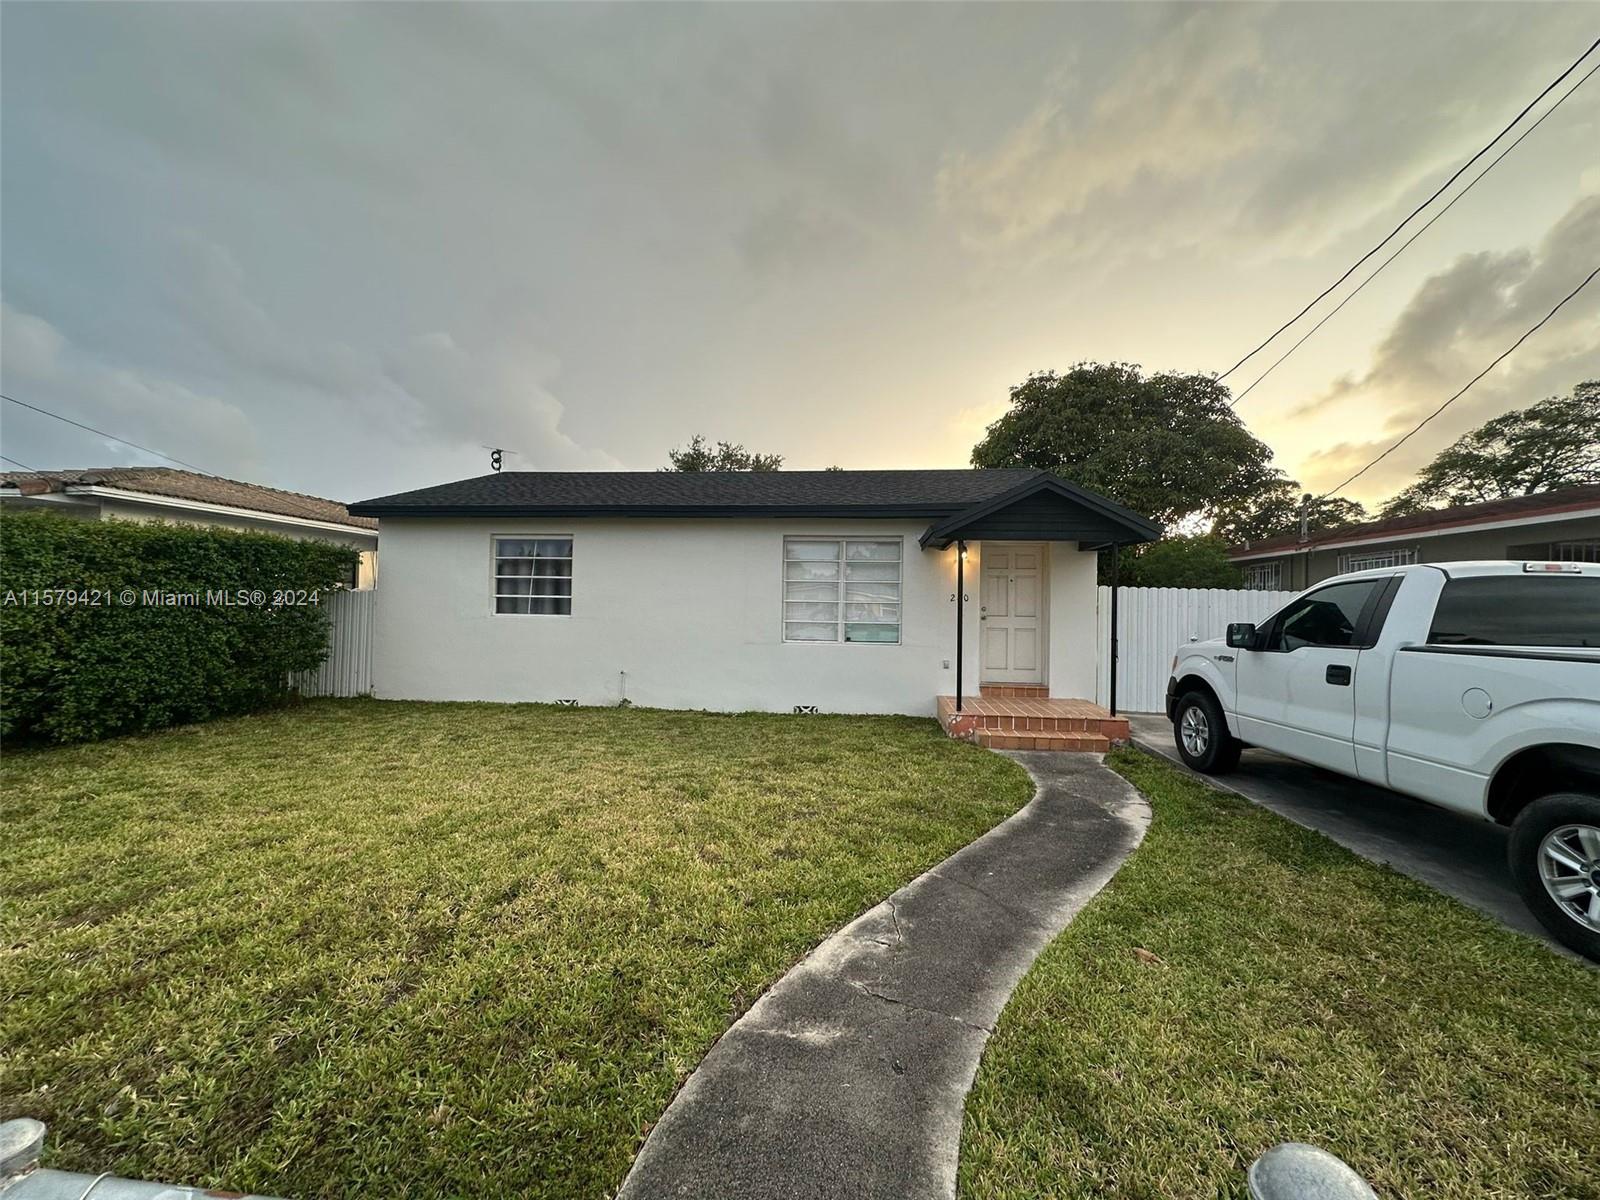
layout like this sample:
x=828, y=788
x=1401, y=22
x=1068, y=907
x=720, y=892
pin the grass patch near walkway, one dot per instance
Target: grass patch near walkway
x=1306, y=995
x=379, y=949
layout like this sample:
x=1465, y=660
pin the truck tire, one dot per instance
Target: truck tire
x=1555, y=858
x=1201, y=733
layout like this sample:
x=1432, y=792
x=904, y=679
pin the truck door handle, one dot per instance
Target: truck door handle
x=1338, y=676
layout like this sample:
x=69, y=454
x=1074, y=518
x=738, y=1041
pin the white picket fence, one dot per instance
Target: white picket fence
x=1153, y=622
x=348, y=668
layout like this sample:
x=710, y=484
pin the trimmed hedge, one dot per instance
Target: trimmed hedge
x=185, y=649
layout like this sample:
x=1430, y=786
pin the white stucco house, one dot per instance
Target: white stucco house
x=843, y=591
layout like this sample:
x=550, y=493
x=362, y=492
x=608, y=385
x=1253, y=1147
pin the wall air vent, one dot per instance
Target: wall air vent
x=567, y=703
x=809, y=710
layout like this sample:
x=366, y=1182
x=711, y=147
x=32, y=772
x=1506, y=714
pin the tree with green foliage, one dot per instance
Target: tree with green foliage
x=1275, y=510
x=1200, y=561
x=701, y=455
x=1165, y=445
x=1549, y=445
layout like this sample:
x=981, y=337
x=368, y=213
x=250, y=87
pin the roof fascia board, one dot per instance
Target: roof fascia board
x=856, y=511
x=224, y=510
x=1100, y=504
x=944, y=530
x=13, y=493
x=1486, y=525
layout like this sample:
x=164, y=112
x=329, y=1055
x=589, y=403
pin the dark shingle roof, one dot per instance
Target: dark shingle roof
x=709, y=493
x=1464, y=515
x=190, y=485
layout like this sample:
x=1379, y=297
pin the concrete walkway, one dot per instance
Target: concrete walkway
x=848, y=1077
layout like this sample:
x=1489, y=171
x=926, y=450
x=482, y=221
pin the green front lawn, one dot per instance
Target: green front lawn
x=1300, y=994
x=431, y=950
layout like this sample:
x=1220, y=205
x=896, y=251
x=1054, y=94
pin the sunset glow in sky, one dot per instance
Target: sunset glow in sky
x=339, y=248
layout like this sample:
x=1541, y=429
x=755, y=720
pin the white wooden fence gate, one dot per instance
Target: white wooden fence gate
x=347, y=671
x=1153, y=622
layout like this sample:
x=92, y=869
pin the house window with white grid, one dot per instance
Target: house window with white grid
x=1264, y=577
x=841, y=590
x=1368, y=560
x=533, y=576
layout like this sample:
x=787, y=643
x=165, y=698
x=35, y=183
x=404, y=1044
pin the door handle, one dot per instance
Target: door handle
x=1338, y=676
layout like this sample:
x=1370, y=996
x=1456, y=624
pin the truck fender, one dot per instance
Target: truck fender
x=1537, y=722
x=1547, y=745
x=1198, y=671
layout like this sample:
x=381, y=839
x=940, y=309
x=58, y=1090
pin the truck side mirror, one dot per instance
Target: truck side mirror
x=1241, y=635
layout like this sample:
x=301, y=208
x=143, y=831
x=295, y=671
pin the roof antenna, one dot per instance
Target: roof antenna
x=496, y=456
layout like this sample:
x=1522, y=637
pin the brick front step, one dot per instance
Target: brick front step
x=1115, y=727
x=1014, y=691
x=1029, y=723
x=1081, y=742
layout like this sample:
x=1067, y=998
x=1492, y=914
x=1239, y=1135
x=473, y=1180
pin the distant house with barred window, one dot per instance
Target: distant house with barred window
x=1559, y=526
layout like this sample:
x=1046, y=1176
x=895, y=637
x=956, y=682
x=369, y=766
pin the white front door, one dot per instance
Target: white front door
x=1012, y=615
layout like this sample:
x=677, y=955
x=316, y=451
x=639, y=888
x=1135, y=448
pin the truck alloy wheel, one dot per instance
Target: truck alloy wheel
x=1569, y=868
x=1195, y=731
x=1201, y=731
x=1554, y=855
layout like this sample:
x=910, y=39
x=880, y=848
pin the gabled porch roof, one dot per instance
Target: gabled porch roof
x=1044, y=508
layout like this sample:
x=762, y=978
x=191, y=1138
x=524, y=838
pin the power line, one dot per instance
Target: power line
x=15, y=463
x=1504, y=355
x=1379, y=269
x=103, y=433
x=1461, y=170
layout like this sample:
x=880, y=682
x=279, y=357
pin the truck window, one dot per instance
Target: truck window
x=1326, y=617
x=1518, y=610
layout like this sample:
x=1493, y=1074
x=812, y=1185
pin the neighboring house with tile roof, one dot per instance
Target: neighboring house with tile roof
x=190, y=498
x=840, y=591
x=1552, y=526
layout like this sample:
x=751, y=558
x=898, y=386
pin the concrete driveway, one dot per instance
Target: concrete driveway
x=1458, y=856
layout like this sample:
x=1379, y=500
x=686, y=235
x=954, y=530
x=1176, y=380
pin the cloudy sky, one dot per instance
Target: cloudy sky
x=339, y=248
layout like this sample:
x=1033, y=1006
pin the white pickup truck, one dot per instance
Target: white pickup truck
x=1473, y=686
